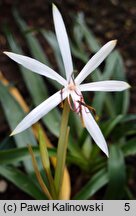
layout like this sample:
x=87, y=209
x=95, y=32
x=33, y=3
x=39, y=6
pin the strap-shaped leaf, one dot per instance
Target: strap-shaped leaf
x=16, y=155
x=122, y=100
x=93, y=185
x=116, y=174
x=52, y=40
x=129, y=148
x=22, y=181
x=13, y=114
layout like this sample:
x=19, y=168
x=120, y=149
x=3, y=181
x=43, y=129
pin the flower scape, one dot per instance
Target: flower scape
x=72, y=88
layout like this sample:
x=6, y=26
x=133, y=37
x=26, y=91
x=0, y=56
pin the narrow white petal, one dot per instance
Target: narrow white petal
x=95, y=61
x=63, y=42
x=94, y=130
x=40, y=111
x=36, y=67
x=108, y=86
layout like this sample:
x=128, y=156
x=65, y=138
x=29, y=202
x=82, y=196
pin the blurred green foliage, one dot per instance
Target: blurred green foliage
x=119, y=128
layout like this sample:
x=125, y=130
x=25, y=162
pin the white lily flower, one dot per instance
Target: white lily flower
x=72, y=88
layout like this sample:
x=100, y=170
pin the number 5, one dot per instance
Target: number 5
x=127, y=207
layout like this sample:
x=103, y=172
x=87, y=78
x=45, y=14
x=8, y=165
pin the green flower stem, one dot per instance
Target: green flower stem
x=46, y=163
x=62, y=148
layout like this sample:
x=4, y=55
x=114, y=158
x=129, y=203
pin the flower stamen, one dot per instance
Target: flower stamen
x=90, y=108
x=72, y=105
x=61, y=103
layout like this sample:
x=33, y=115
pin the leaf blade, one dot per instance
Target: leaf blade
x=97, y=181
x=22, y=181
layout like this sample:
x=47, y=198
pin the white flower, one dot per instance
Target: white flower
x=72, y=88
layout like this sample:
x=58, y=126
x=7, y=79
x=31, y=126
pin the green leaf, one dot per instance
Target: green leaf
x=120, y=68
x=111, y=124
x=122, y=99
x=128, y=194
x=129, y=148
x=103, y=97
x=22, y=181
x=87, y=148
x=20, y=154
x=15, y=155
x=52, y=40
x=77, y=44
x=89, y=36
x=79, y=55
x=78, y=35
x=124, y=130
x=126, y=101
x=7, y=143
x=116, y=174
x=75, y=152
x=14, y=114
x=94, y=184
x=129, y=117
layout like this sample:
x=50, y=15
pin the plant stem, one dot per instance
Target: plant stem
x=46, y=162
x=38, y=174
x=62, y=148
